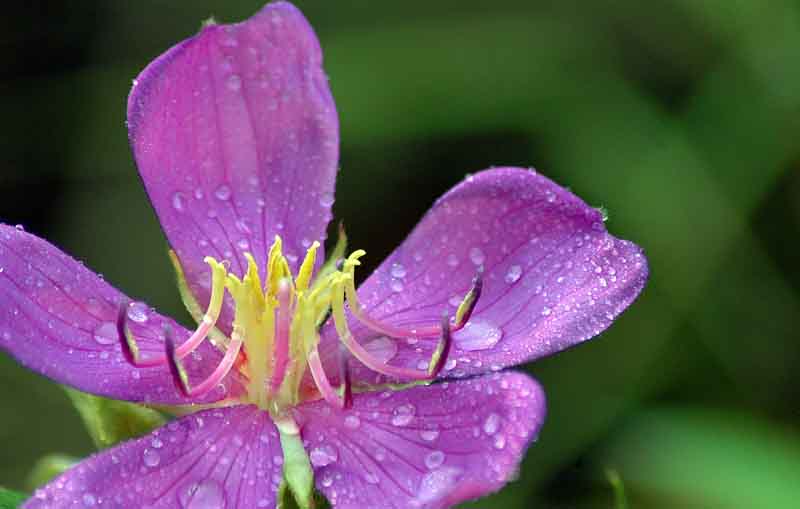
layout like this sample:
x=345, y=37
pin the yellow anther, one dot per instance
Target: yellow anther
x=306, y=269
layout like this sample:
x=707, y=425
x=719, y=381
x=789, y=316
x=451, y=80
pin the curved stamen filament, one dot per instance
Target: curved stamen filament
x=359, y=352
x=327, y=391
x=130, y=346
x=463, y=313
x=182, y=377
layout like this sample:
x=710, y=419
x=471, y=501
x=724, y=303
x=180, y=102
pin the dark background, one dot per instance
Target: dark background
x=681, y=117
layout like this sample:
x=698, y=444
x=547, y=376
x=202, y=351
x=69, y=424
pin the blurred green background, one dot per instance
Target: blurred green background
x=681, y=117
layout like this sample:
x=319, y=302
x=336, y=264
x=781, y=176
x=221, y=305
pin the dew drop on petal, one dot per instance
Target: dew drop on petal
x=89, y=500
x=223, y=193
x=178, y=201
x=491, y=424
x=398, y=271
x=477, y=334
x=477, y=256
x=138, y=312
x=434, y=460
x=326, y=199
x=429, y=435
x=437, y=483
x=323, y=455
x=452, y=260
x=382, y=348
x=403, y=415
x=205, y=494
x=106, y=333
x=513, y=274
x=151, y=458
x=396, y=285
x=352, y=422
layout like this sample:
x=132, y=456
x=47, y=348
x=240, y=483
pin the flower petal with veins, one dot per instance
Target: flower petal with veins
x=425, y=447
x=59, y=319
x=553, y=276
x=236, y=138
x=223, y=458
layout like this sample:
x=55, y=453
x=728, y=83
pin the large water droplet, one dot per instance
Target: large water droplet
x=382, y=348
x=398, y=270
x=138, y=312
x=434, y=460
x=491, y=424
x=106, y=333
x=151, y=458
x=403, y=415
x=477, y=256
x=206, y=494
x=323, y=455
x=477, y=334
x=513, y=274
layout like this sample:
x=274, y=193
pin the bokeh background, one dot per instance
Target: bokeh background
x=681, y=117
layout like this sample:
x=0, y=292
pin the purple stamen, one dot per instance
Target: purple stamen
x=181, y=377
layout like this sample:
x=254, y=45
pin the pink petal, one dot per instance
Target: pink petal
x=222, y=458
x=236, y=137
x=425, y=447
x=58, y=318
x=553, y=276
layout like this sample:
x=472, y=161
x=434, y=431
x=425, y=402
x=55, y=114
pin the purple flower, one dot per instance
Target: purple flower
x=235, y=135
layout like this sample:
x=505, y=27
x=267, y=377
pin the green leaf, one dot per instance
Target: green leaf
x=10, y=499
x=110, y=422
x=298, y=476
x=49, y=467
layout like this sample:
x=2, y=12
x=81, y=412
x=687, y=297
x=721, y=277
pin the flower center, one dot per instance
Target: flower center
x=275, y=332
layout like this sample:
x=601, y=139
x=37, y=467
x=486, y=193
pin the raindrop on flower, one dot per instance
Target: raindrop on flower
x=403, y=415
x=513, y=274
x=151, y=458
x=398, y=271
x=106, y=333
x=434, y=460
x=137, y=312
x=477, y=334
x=477, y=256
x=223, y=193
x=491, y=424
x=323, y=455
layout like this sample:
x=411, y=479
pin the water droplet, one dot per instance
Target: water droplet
x=513, y=274
x=491, y=424
x=437, y=483
x=234, y=82
x=203, y=495
x=452, y=260
x=546, y=311
x=89, y=500
x=371, y=478
x=429, y=435
x=403, y=415
x=396, y=285
x=352, y=422
x=434, y=460
x=19, y=227
x=178, y=201
x=156, y=443
x=398, y=271
x=499, y=442
x=477, y=256
x=477, y=334
x=455, y=301
x=383, y=348
x=106, y=333
x=223, y=192
x=151, y=458
x=323, y=455
x=326, y=199
x=138, y=312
